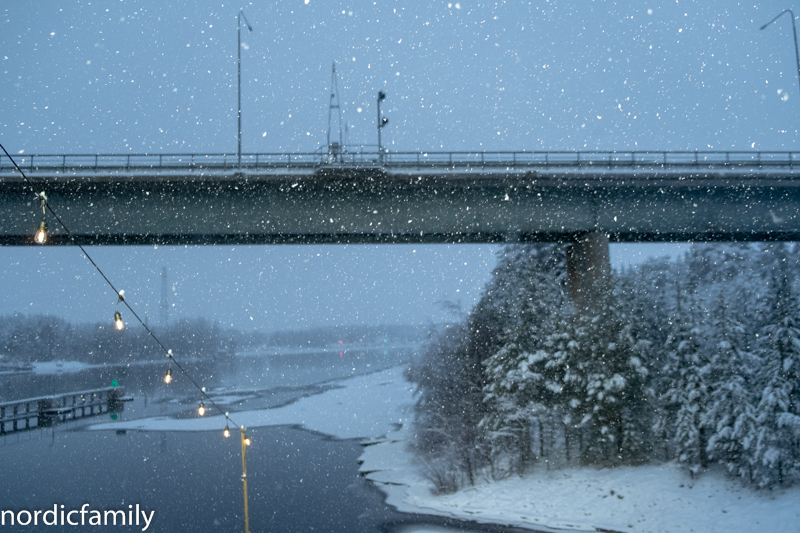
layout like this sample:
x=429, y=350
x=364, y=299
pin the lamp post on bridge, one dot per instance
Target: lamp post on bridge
x=794, y=31
x=382, y=121
x=239, y=66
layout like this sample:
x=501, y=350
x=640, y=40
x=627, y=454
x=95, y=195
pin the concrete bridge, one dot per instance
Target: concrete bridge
x=586, y=198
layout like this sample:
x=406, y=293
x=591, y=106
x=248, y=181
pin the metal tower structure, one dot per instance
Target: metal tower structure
x=164, y=304
x=335, y=147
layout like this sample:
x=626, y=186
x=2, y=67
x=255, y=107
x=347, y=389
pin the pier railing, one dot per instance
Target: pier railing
x=30, y=413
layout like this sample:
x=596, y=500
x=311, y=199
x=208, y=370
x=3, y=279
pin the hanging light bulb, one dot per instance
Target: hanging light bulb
x=202, y=409
x=247, y=440
x=227, y=431
x=120, y=325
x=168, y=376
x=41, y=235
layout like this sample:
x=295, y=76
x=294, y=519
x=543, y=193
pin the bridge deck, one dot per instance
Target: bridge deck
x=84, y=164
x=693, y=196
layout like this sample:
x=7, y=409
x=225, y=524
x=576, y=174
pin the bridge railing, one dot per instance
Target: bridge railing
x=399, y=160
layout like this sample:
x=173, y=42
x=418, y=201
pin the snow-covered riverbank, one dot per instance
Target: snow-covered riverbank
x=642, y=499
x=377, y=407
x=365, y=406
x=646, y=499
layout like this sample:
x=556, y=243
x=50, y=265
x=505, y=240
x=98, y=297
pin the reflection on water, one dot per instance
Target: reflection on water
x=192, y=480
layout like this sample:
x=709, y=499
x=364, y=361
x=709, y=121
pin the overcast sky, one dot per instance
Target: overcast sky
x=147, y=76
x=119, y=76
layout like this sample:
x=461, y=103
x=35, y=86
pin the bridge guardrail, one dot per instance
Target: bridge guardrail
x=401, y=160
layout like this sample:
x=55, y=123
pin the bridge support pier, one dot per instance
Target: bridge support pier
x=588, y=270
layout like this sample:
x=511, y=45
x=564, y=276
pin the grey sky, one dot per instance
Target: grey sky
x=161, y=76
x=134, y=77
x=280, y=287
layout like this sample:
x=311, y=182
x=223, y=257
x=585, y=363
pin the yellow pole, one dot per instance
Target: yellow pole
x=244, y=481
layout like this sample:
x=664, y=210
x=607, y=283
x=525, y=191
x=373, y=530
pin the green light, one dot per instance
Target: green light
x=113, y=416
x=115, y=383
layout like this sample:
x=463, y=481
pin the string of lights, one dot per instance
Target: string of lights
x=41, y=237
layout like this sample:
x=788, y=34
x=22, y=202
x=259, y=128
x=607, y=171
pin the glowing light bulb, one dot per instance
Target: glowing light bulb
x=247, y=441
x=227, y=432
x=118, y=321
x=202, y=409
x=168, y=376
x=41, y=235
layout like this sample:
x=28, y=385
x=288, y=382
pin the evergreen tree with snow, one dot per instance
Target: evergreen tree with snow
x=777, y=451
x=603, y=391
x=514, y=389
x=730, y=413
x=687, y=393
x=507, y=419
x=635, y=336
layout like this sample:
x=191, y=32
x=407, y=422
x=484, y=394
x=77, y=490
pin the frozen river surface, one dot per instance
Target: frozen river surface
x=160, y=455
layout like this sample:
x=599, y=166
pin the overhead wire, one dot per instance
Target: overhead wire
x=43, y=198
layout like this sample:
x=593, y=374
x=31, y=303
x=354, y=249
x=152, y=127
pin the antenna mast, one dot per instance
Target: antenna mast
x=164, y=305
x=335, y=147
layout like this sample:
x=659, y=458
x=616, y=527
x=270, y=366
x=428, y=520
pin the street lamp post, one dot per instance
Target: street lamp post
x=239, y=66
x=382, y=121
x=794, y=30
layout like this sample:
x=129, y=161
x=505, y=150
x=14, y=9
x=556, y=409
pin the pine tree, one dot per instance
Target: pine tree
x=603, y=385
x=507, y=419
x=730, y=414
x=776, y=454
x=686, y=392
x=634, y=336
x=514, y=389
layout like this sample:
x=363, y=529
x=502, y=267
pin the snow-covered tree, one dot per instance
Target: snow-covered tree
x=602, y=383
x=729, y=413
x=777, y=457
x=710, y=345
x=686, y=393
x=514, y=374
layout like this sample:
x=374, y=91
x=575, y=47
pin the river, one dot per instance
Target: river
x=297, y=480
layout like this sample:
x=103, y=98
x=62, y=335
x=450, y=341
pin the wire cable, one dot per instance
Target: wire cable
x=167, y=351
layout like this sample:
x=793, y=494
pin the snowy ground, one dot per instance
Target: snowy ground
x=646, y=499
x=364, y=406
x=71, y=367
x=57, y=367
x=294, y=350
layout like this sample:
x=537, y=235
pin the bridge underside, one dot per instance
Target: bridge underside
x=368, y=205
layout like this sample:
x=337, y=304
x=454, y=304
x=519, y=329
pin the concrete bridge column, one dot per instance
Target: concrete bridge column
x=588, y=270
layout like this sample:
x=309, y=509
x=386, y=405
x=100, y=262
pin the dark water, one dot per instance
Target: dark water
x=297, y=480
x=253, y=372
